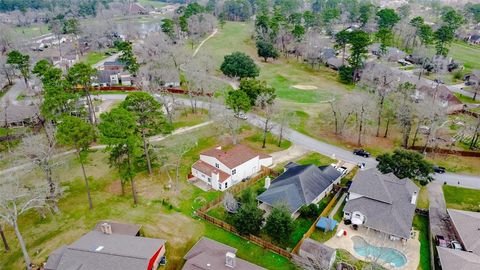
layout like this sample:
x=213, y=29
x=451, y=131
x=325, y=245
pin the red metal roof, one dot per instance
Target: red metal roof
x=238, y=155
x=209, y=169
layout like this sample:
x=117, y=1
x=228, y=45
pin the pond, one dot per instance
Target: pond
x=389, y=256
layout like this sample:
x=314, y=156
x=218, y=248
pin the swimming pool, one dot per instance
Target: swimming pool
x=390, y=256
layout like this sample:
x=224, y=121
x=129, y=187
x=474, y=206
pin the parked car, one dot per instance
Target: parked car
x=439, y=81
x=456, y=245
x=440, y=240
x=361, y=152
x=342, y=170
x=241, y=115
x=438, y=169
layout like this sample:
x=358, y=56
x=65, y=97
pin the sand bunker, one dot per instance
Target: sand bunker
x=304, y=87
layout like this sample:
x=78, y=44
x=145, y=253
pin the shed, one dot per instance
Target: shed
x=319, y=252
x=327, y=224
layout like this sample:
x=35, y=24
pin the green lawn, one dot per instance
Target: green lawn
x=32, y=31
x=316, y=159
x=153, y=3
x=467, y=54
x=187, y=119
x=462, y=198
x=97, y=56
x=420, y=223
x=466, y=99
x=282, y=73
x=422, y=201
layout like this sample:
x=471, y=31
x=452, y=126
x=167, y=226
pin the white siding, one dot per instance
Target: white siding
x=245, y=170
x=266, y=162
x=211, y=160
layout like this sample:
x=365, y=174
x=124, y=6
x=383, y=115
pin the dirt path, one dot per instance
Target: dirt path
x=205, y=40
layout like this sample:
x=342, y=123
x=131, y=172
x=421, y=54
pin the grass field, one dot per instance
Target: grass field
x=153, y=3
x=163, y=212
x=467, y=54
x=420, y=223
x=32, y=31
x=466, y=99
x=282, y=73
x=462, y=198
x=95, y=57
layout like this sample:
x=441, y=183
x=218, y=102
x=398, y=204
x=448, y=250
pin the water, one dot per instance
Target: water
x=390, y=256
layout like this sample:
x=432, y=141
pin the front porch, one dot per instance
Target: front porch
x=410, y=248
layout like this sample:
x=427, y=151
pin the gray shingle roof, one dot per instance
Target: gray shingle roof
x=99, y=251
x=317, y=250
x=385, y=201
x=209, y=254
x=452, y=259
x=467, y=224
x=299, y=186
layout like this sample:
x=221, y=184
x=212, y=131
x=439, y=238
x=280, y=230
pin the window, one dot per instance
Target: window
x=234, y=171
x=209, y=180
x=226, y=184
x=217, y=165
x=219, y=186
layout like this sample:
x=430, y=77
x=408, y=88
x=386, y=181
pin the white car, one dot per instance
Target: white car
x=456, y=245
x=241, y=115
x=342, y=170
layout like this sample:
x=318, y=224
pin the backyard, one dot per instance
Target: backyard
x=462, y=198
x=164, y=212
x=420, y=223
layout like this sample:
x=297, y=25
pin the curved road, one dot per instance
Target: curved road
x=315, y=145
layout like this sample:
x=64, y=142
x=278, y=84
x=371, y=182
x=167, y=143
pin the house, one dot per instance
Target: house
x=113, y=66
x=222, y=169
x=19, y=115
x=298, y=186
x=334, y=63
x=466, y=226
x=208, y=254
x=136, y=9
x=474, y=39
x=318, y=252
x=113, y=247
x=472, y=78
x=442, y=94
x=382, y=202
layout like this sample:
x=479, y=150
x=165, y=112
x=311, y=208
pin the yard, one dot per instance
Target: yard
x=153, y=3
x=164, y=212
x=97, y=56
x=462, y=198
x=420, y=223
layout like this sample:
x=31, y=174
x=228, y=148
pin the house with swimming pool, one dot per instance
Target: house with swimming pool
x=383, y=203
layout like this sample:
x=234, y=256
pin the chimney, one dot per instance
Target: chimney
x=414, y=198
x=267, y=182
x=230, y=259
x=106, y=228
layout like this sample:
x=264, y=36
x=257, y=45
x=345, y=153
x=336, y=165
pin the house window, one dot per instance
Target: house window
x=209, y=180
x=217, y=165
x=234, y=171
x=219, y=186
x=226, y=184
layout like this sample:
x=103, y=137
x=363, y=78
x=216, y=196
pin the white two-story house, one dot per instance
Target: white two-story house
x=222, y=169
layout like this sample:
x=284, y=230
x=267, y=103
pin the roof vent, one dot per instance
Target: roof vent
x=99, y=248
x=230, y=259
x=106, y=228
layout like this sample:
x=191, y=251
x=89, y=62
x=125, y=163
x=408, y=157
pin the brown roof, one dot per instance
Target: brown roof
x=210, y=254
x=238, y=155
x=120, y=228
x=442, y=92
x=208, y=169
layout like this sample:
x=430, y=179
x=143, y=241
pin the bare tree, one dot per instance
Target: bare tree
x=200, y=25
x=341, y=110
x=404, y=109
x=283, y=119
x=4, y=239
x=7, y=73
x=229, y=203
x=313, y=46
x=16, y=199
x=362, y=104
x=40, y=150
x=228, y=122
x=198, y=80
x=178, y=152
x=265, y=103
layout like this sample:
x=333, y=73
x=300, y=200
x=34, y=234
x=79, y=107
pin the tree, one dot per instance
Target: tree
x=443, y=37
x=365, y=11
x=405, y=164
x=279, y=225
x=341, y=110
x=239, y=65
x=149, y=117
x=80, y=75
x=74, y=132
x=118, y=131
x=128, y=57
x=229, y=203
x=238, y=101
x=229, y=122
x=284, y=119
x=179, y=151
x=248, y=219
x=20, y=62
x=405, y=111
x=265, y=102
x=359, y=41
x=362, y=105
x=452, y=19
x=16, y=199
x=387, y=18
x=168, y=27
x=40, y=150
x=266, y=50
x=4, y=239
x=253, y=88
x=341, y=41
x=6, y=71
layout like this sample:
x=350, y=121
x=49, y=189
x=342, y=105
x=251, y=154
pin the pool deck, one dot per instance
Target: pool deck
x=411, y=249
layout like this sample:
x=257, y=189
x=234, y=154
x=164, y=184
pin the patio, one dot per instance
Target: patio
x=411, y=249
x=199, y=183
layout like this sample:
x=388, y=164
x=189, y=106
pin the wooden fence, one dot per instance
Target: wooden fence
x=314, y=225
x=447, y=151
x=134, y=88
x=202, y=213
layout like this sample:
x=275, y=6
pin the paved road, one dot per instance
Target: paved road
x=322, y=147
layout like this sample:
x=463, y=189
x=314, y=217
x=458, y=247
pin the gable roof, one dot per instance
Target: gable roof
x=208, y=169
x=235, y=156
x=210, y=254
x=317, y=250
x=298, y=186
x=385, y=201
x=467, y=225
x=452, y=259
x=96, y=250
x=442, y=92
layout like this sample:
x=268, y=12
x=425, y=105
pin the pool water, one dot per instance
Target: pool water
x=389, y=256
